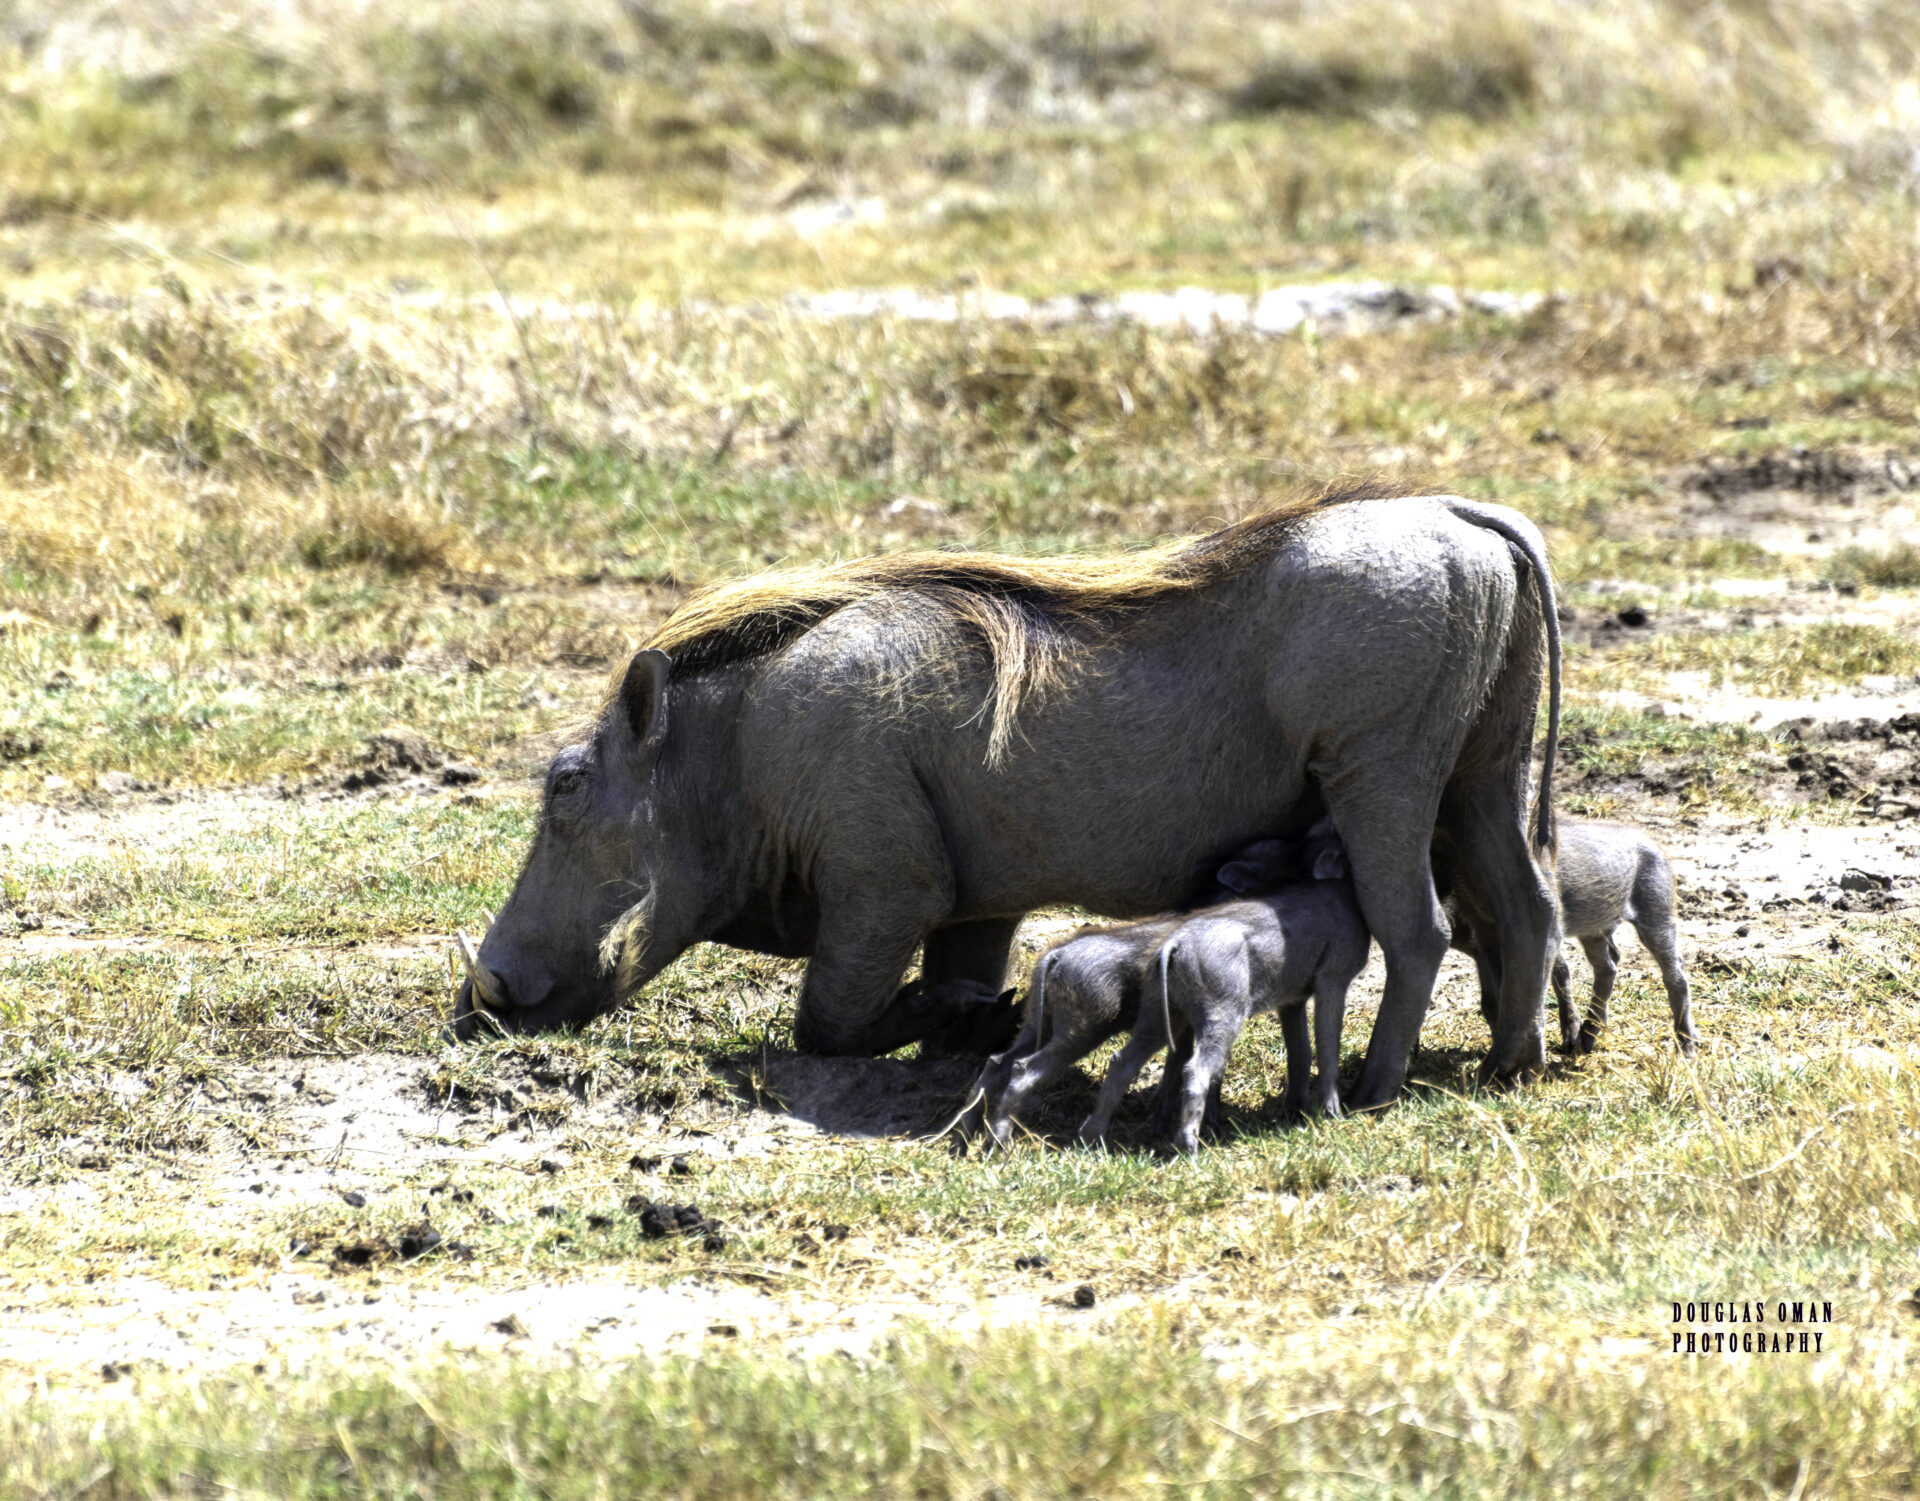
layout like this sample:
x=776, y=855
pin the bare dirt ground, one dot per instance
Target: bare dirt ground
x=376, y=1127
x=1826, y=827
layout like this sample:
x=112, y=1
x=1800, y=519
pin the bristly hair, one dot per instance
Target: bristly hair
x=1031, y=614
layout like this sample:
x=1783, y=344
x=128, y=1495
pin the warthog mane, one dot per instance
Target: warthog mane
x=1030, y=614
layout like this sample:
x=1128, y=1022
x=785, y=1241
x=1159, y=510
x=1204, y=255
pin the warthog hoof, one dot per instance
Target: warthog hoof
x=1369, y=1094
x=1529, y=1065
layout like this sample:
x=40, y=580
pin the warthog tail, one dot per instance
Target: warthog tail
x=1166, y=1001
x=1525, y=538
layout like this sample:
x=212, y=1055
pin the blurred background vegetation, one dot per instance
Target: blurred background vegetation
x=345, y=340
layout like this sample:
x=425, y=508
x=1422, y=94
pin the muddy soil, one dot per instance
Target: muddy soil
x=1803, y=502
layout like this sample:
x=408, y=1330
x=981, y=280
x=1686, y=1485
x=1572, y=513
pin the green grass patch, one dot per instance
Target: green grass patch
x=313, y=873
x=1613, y=740
x=1778, y=660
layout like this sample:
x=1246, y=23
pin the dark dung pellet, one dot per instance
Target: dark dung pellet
x=417, y=1240
x=656, y=1222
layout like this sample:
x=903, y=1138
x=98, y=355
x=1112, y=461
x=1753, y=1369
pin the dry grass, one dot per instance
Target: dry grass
x=1779, y=661
x=1895, y=567
x=937, y=1418
x=362, y=367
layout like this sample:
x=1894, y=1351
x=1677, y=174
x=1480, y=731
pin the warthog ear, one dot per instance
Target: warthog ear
x=1330, y=864
x=1240, y=876
x=643, y=697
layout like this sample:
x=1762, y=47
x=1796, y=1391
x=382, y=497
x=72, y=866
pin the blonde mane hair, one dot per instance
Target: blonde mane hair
x=1032, y=615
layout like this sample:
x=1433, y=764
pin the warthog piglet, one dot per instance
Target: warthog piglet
x=1305, y=939
x=1609, y=874
x=1090, y=985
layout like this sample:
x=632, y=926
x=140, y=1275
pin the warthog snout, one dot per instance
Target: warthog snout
x=484, y=1000
x=481, y=997
x=510, y=989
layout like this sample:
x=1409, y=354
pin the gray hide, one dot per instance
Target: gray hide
x=834, y=797
x=1304, y=941
x=1084, y=989
x=1609, y=874
x=1089, y=986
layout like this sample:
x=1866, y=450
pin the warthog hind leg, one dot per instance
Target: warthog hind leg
x=1604, y=955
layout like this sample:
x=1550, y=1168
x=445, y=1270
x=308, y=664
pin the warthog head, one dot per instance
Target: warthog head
x=1317, y=855
x=611, y=892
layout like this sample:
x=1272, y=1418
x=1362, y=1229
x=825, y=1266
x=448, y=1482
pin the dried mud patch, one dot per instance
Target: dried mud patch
x=371, y=1150
x=101, y=1335
x=1861, y=771
x=1801, y=501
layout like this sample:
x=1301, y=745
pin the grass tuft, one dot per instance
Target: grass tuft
x=1893, y=567
x=365, y=530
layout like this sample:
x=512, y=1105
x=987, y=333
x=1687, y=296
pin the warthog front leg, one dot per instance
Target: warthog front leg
x=1149, y=1037
x=851, y=1001
x=960, y=966
x=990, y=1084
x=1029, y=1076
x=1295, y=1033
x=1329, y=1017
x=975, y=951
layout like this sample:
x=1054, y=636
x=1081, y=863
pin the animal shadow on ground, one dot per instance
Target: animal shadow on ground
x=1455, y=1071
x=872, y=1097
x=1055, y=1118
x=893, y=1097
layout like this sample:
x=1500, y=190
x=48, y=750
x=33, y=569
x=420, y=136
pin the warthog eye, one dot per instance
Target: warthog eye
x=565, y=787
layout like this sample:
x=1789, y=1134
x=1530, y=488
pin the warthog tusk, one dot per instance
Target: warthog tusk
x=487, y=918
x=484, y=991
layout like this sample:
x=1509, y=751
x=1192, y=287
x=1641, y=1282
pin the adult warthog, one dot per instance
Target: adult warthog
x=850, y=762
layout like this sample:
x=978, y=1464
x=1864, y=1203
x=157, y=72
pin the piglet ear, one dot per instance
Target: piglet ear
x=1330, y=864
x=1239, y=876
x=643, y=697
